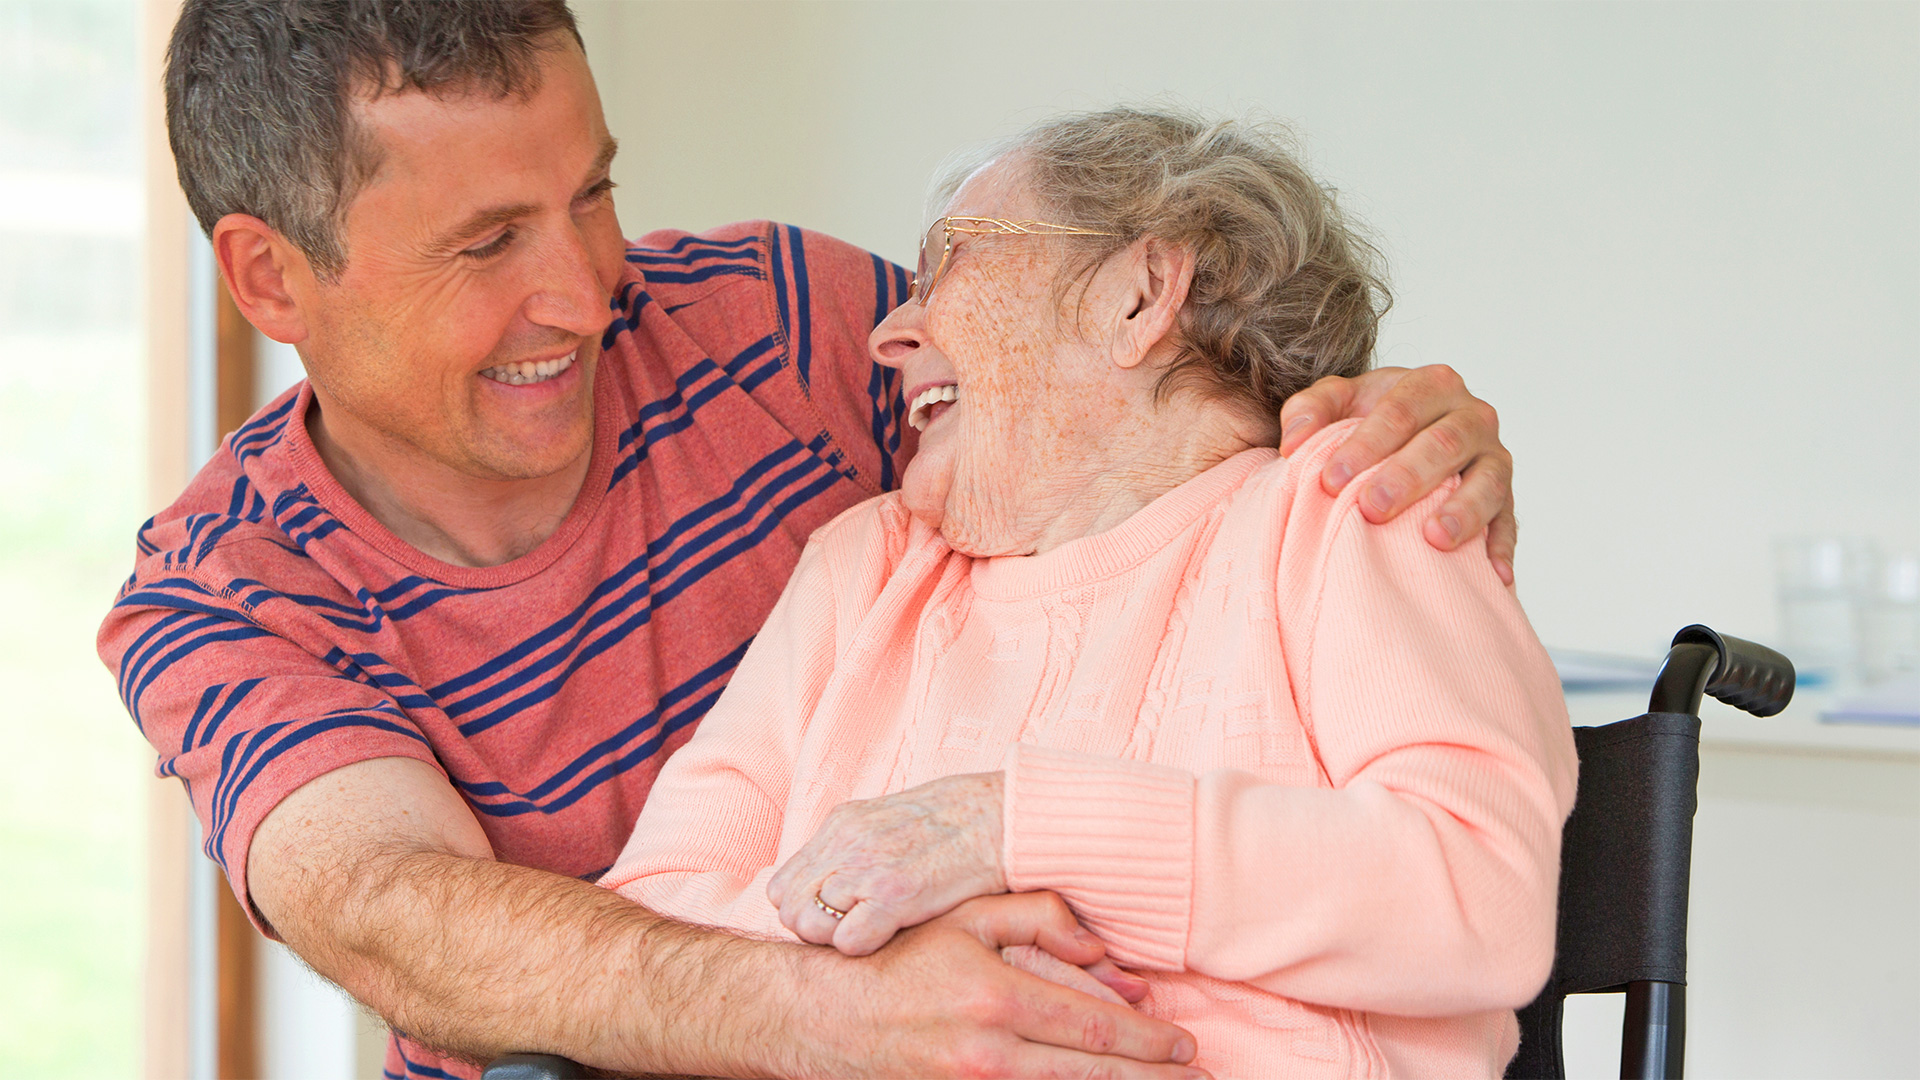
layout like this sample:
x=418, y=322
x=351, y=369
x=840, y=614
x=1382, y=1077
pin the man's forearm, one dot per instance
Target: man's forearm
x=379, y=876
x=478, y=958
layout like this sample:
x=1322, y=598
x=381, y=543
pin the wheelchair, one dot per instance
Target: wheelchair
x=1625, y=863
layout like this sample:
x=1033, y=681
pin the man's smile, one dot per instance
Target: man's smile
x=528, y=372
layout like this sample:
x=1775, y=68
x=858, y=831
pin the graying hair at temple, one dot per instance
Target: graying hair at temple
x=259, y=95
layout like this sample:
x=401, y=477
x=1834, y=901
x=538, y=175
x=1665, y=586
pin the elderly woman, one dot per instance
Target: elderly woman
x=1304, y=776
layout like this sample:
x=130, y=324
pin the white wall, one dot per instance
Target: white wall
x=1677, y=246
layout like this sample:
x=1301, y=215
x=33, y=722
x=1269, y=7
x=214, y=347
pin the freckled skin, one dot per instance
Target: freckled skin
x=1051, y=437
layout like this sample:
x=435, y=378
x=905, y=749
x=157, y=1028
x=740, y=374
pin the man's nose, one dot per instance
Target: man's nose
x=901, y=334
x=567, y=291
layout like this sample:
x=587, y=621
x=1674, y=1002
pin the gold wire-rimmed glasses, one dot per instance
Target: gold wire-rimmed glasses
x=924, y=280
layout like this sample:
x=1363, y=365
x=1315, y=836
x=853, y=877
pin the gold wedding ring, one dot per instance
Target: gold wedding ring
x=828, y=908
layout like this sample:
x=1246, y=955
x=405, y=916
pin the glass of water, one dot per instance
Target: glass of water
x=1822, y=583
x=1889, y=619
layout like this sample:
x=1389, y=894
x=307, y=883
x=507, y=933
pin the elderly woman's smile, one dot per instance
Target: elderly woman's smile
x=1031, y=375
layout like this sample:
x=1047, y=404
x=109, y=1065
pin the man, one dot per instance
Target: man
x=419, y=637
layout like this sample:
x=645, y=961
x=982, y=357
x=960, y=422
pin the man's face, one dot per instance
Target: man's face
x=480, y=262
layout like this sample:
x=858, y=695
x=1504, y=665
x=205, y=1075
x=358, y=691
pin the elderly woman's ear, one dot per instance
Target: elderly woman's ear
x=1155, y=277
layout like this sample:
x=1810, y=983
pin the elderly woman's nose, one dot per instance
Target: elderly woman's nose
x=899, y=335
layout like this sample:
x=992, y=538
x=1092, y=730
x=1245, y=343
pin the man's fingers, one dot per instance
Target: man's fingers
x=1314, y=408
x=1035, y=960
x=1502, y=537
x=1438, y=452
x=1131, y=988
x=1068, y=1019
x=1052, y=1062
x=1393, y=413
x=1052, y=1014
x=1391, y=425
x=1035, y=918
x=1485, y=493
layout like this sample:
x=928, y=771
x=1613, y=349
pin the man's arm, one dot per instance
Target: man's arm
x=379, y=876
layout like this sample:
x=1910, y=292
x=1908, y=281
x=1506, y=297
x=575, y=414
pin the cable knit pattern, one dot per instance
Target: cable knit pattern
x=1305, y=774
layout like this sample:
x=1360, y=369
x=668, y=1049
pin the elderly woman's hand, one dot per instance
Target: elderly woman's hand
x=1432, y=428
x=893, y=862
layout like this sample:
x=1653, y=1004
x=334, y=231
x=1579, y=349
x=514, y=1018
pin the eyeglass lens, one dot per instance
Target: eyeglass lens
x=933, y=251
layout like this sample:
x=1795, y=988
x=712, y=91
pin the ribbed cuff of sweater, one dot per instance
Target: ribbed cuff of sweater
x=1114, y=838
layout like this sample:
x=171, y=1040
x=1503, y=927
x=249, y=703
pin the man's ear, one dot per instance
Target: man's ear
x=1158, y=278
x=263, y=271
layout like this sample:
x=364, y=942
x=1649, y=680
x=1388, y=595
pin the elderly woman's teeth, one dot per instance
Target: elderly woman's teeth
x=920, y=411
x=528, y=371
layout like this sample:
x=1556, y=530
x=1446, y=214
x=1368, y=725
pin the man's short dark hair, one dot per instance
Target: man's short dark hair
x=259, y=95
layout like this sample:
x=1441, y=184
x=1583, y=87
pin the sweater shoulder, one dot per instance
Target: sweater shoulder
x=1287, y=492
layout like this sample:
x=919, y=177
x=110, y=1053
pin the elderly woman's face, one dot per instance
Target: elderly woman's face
x=1034, y=397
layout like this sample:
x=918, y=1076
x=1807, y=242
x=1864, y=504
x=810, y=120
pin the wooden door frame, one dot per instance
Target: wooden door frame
x=169, y=293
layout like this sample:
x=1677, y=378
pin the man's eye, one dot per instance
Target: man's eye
x=598, y=192
x=492, y=247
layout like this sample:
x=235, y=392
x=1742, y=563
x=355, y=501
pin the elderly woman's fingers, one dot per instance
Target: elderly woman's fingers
x=917, y=853
x=868, y=925
x=810, y=922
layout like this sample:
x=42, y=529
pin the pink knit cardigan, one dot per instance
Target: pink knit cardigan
x=1304, y=774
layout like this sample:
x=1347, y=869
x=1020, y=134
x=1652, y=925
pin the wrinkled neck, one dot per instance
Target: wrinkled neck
x=1124, y=468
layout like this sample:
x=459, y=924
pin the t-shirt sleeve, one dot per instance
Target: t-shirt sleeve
x=830, y=295
x=239, y=713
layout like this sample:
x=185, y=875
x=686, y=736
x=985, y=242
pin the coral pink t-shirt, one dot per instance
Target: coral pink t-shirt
x=1305, y=774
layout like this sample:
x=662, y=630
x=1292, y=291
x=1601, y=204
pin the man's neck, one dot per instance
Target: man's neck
x=445, y=513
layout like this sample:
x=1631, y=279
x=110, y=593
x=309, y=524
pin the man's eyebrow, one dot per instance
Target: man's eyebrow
x=480, y=223
x=605, y=161
x=487, y=220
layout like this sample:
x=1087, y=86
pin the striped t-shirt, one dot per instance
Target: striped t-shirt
x=273, y=631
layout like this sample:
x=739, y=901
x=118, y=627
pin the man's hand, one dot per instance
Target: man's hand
x=379, y=876
x=1432, y=428
x=893, y=862
x=939, y=1001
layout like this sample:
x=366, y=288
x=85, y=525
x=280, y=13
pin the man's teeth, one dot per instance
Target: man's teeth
x=925, y=400
x=528, y=371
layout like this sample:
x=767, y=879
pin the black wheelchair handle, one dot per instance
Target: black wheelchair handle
x=1742, y=673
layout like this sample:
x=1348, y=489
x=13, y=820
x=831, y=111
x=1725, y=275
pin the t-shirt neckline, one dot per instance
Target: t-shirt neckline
x=313, y=472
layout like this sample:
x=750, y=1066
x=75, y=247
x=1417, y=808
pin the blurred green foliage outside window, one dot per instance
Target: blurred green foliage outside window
x=72, y=470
